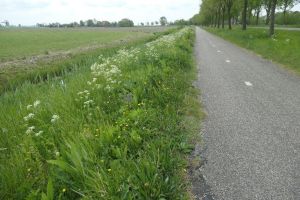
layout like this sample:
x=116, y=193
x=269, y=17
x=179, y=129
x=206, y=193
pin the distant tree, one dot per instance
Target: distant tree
x=181, y=22
x=156, y=23
x=81, y=23
x=142, y=24
x=152, y=23
x=148, y=23
x=257, y=9
x=285, y=5
x=126, y=23
x=163, y=21
x=6, y=23
x=90, y=23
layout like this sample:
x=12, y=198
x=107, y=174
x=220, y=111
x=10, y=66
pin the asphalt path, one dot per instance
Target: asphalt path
x=252, y=129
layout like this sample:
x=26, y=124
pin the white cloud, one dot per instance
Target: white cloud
x=29, y=12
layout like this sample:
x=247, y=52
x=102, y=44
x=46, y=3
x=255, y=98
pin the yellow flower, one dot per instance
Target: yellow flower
x=109, y=170
x=64, y=190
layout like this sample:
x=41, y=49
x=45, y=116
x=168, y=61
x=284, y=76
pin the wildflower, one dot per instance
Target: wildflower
x=62, y=82
x=29, y=116
x=109, y=170
x=39, y=133
x=29, y=107
x=54, y=118
x=30, y=130
x=36, y=103
x=64, y=190
x=57, y=153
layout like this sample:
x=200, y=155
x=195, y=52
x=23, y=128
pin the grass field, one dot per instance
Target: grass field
x=283, y=48
x=116, y=129
x=23, y=42
x=39, y=53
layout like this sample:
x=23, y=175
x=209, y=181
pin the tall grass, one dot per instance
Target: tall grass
x=110, y=131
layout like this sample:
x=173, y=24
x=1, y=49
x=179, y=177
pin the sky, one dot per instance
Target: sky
x=30, y=12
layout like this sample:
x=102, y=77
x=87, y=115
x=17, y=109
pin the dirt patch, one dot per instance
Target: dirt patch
x=200, y=189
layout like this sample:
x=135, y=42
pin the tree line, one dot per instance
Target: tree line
x=218, y=12
x=90, y=23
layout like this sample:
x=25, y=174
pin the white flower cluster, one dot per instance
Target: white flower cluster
x=29, y=119
x=107, y=69
x=54, y=118
x=30, y=116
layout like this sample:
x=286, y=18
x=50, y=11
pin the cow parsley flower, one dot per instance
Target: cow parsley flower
x=54, y=118
x=39, y=133
x=29, y=107
x=29, y=116
x=36, y=103
x=30, y=130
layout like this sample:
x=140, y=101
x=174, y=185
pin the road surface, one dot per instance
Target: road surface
x=252, y=129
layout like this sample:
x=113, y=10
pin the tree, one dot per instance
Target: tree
x=163, y=21
x=126, y=23
x=229, y=4
x=285, y=5
x=272, y=17
x=90, y=23
x=81, y=23
x=257, y=4
x=268, y=5
x=244, y=20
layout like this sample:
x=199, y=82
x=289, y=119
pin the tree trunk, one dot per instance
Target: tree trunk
x=257, y=16
x=249, y=15
x=216, y=19
x=219, y=17
x=229, y=18
x=272, y=18
x=244, y=20
x=284, y=14
x=223, y=17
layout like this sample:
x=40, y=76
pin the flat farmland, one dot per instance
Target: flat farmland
x=23, y=42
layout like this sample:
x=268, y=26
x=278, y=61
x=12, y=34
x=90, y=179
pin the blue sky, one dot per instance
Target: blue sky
x=30, y=12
